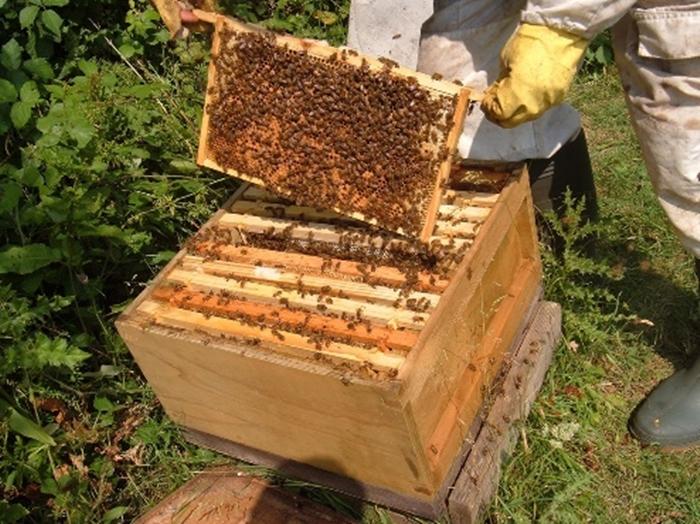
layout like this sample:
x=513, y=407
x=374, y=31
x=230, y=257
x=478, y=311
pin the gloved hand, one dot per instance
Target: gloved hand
x=538, y=65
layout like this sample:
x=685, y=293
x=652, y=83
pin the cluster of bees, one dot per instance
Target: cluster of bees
x=328, y=133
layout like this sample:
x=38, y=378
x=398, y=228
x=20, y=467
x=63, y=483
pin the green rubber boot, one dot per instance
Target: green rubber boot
x=670, y=415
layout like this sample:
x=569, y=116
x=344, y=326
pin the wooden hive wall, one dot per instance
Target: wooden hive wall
x=227, y=335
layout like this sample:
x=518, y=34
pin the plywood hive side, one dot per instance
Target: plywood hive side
x=445, y=133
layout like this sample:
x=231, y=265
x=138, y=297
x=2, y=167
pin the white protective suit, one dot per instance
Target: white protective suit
x=657, y=51
x=460, y=39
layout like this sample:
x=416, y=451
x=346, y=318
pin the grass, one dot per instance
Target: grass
x=629, y=332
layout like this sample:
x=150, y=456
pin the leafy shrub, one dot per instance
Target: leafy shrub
x=599, y=55
x=97, y=188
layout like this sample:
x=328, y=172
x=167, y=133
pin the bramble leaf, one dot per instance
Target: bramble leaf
x=27, y=259
x=27, y=16
x=11, y=55
x=39, y=68
x=29, y=93
x=9, y=196
x=20, y=114
x=52, y=21
x=8, y=93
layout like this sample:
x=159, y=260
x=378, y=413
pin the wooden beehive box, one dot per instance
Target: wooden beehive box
x=303, y=334
x=329, y=127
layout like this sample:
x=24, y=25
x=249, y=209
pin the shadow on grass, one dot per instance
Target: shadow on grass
x=311, y=503
x=653, y=297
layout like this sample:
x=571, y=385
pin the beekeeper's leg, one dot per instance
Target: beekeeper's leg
x=659, y=62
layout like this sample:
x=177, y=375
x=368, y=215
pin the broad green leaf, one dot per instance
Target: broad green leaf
x=28, y=428
x=326, y=17
x=52, y=21
x=184, y=166
x=55, y=3
x=39, y=68
x=28, y=15
x=9, y=196
x=2, y=3
x=20, y=114
x=10, y=513
x=81, y=132
x=114, y=513
x=29, y=93
x=11, y=55
x=102, y=230
x=8, y=93
x=30, y=176
x=103, y=404
x=88, y=68
x=27, y=259
x=127, y=50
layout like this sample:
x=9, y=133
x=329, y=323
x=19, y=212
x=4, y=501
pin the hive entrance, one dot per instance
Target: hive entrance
x=329, y=128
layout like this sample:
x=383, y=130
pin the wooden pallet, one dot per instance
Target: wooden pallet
x=446, y=133
x=469, y=496
x=311, y=353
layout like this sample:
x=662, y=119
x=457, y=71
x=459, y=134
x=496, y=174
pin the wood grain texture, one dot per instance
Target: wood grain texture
x=269, y=385
x=477, y=482
x=485, y=448
x=465, y=338
x=302, y=411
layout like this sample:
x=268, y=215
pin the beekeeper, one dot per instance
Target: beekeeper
x=657, y=50
x=461, y=40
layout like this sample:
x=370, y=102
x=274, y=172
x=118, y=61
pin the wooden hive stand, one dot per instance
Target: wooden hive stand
x=284, y=334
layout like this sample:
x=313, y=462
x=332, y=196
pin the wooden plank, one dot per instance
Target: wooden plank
x=324, y=52
x=444, y=173
x=229, y=495
x=193, y=320
x=383, y=338
x=327, y=286
x=341, y=483
x=257, y=193
x=477, y=482
x=324, y=232
x=463, y=213
x=333, y=267
x=470, y=198
x=484, y=448
x=273, y=295
x=277, y=210
x=456, y=229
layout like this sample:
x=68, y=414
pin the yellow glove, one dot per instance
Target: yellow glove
x=538, y=65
